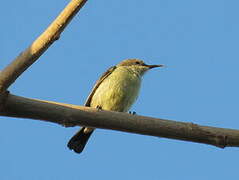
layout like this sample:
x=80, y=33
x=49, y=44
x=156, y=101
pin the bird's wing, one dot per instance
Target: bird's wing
x=97, y=84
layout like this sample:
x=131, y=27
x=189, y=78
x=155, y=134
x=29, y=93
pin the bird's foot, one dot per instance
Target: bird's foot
x=98, y=107
x=132, y=112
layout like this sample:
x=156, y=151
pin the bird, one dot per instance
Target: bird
x=116, y=90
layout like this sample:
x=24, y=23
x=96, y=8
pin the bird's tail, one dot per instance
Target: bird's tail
x=79, y=140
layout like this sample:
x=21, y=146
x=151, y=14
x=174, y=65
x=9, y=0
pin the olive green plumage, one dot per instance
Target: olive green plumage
x=116, y=90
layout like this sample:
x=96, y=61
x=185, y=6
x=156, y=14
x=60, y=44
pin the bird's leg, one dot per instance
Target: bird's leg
x=132, y=112
x=98, y=107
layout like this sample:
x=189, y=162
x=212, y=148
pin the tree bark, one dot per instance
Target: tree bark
x=72, y=115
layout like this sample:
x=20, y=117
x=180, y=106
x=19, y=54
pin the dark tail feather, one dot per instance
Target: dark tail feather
x=79, y=140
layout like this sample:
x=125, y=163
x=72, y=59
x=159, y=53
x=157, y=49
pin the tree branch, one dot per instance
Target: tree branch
x=39, y=46
x=72, y=115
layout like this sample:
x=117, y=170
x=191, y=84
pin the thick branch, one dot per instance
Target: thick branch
x=72, y=115
x=39, y=46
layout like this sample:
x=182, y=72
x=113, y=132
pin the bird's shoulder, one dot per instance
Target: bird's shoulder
x=97, y=84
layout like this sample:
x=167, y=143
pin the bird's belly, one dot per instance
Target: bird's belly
x=116, y=95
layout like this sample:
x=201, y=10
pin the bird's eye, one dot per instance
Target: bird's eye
x=137, y=62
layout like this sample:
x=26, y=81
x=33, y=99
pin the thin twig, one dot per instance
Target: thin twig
x=39, y=46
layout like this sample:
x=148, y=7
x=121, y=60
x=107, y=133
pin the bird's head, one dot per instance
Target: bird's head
x=138, y=66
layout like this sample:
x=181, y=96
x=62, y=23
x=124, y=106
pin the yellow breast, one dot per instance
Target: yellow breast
x=118, y=91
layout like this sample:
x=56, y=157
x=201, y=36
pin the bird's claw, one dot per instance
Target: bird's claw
x=132, y=112
x=98, y=107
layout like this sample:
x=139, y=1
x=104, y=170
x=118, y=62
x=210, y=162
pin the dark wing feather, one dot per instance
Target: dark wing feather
x=97, y=84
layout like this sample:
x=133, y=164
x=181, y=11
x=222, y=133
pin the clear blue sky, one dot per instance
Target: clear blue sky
x=197, y=40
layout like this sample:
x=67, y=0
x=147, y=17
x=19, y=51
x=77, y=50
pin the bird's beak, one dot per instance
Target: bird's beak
x=154, y=66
